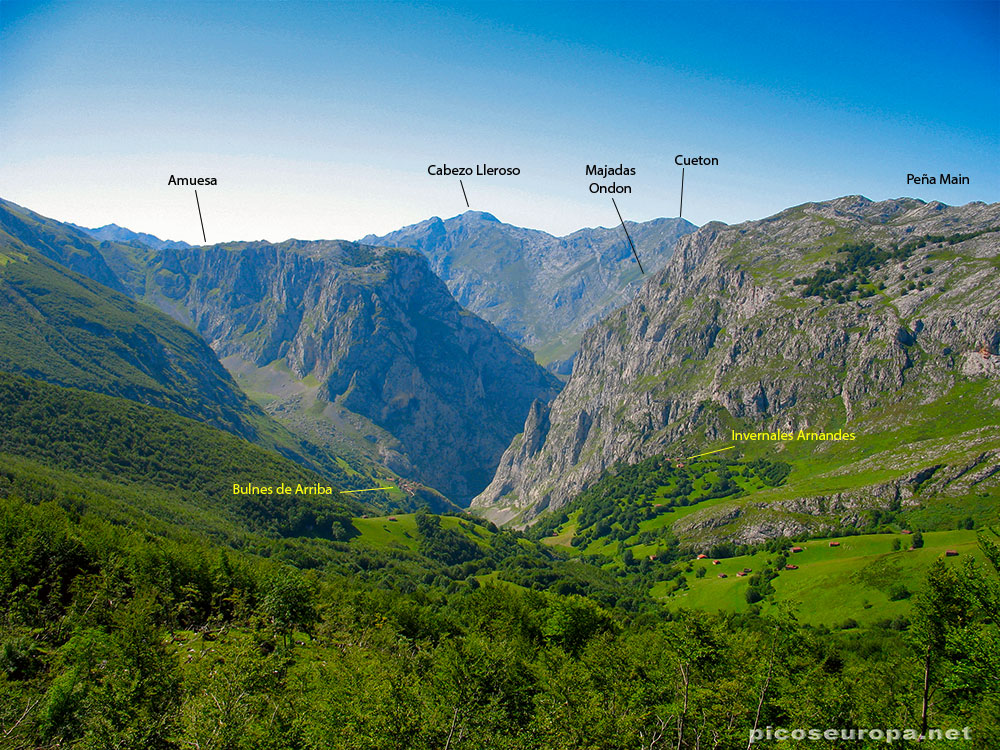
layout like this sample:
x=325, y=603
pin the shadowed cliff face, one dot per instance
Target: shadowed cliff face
x=723, y=335
x=542, y=291
x=381, y=335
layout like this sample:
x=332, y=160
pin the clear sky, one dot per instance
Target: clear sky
x=319, y=119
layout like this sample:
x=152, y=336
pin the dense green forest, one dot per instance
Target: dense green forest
x=123, y=630
x=124, y=441
x=627, y=495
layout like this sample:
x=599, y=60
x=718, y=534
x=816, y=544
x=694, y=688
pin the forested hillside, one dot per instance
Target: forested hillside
x=128, y=443
x=117, y=636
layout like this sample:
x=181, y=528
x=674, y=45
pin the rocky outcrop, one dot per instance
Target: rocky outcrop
x=543, y=291
x=723, y=334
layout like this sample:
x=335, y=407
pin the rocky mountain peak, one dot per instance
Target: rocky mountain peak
x=475, y=217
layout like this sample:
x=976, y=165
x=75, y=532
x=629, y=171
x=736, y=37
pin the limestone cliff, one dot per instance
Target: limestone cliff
x=435, y=391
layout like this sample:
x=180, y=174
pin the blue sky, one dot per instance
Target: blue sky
x=320, y=119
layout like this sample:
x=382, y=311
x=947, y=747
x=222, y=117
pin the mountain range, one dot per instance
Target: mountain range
x=542, y=291
x=845, y=316
x=352, y=343
x=180, y=548
x=65, y=328
x=359, y=354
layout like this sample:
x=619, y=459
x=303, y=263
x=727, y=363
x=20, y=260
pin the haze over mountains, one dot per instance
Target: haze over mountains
x=542, y=291
x=880, y=319
x=835, y=315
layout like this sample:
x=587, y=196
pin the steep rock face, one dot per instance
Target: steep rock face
x=381, y=335
x=722, y=335
x=542, y=291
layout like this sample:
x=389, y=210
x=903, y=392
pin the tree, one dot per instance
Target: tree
x=956, y=634
x=918, y=540
x=289, y=604
x=573, y=620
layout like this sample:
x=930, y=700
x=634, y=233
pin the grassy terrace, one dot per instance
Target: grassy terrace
x=399, y=531
x=853, y=580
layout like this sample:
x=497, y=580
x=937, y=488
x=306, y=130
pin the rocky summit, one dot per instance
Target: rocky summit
x=543, y=291
x=880, y=319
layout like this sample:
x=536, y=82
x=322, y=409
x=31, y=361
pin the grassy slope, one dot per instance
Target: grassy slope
x=61, y=327
x=895, y=442
x=21, y=229
x=400, y=531
x=850, y=581
x=832, y=584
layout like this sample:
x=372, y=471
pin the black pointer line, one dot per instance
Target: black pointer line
x=198, y=202
x=629, y=238
x=681, y=212
x=464, y=195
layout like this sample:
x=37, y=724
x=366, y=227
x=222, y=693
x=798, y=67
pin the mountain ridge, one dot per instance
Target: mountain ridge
x=65, y=244
x=60, y=326
x=724, y=337
x=115, y=233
